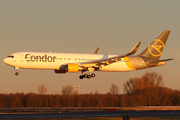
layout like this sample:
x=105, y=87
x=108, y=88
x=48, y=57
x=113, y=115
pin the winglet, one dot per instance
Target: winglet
x=134, y=49
x=96, y=51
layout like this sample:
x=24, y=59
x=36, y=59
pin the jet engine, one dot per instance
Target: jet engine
x=68, y=68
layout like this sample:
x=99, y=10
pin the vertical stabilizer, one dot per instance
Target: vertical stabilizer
x=155, y=49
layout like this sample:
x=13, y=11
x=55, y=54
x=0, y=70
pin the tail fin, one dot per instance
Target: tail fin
x=155, y=49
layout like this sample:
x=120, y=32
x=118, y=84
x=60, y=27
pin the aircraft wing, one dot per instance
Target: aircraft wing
x=107, y=61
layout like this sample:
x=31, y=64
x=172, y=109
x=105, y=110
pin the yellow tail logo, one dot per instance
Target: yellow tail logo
x=156, y=48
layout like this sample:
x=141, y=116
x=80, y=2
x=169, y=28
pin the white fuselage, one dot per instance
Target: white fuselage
x=71, y=62
x=42, y=60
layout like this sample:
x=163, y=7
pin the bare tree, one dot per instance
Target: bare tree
x=67, y=90
x=128, y=86
x=152, y=79
x=114, y=89
x=42, y=89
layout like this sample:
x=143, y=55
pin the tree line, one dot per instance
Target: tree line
x=36, y=100
x=147, y=90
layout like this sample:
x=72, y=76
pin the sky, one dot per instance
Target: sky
x=80, y=26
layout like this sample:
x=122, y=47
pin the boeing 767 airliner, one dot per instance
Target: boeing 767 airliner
x=71, y=62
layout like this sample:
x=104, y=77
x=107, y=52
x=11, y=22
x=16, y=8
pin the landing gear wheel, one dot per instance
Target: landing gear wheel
x=16, y=73
x=85, y=75
x=81, y=76
x=93, y=75
x=88, y=76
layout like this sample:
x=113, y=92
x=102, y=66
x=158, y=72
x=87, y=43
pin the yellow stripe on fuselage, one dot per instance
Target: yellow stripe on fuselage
x=128, y=63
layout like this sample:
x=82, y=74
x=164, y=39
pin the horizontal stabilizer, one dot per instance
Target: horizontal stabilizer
x=156, y=61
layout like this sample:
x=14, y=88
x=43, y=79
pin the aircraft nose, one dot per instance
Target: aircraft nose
x=8, y=61
x=5, y=60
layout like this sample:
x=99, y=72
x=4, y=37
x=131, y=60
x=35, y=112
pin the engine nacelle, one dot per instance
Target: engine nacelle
x=72, y=68
x=68, y=68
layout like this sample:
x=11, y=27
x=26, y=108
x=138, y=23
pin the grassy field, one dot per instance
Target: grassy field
x=109, y=118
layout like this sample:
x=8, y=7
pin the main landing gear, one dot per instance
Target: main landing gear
x=87, y=76
x=90, y=71
x=16, y=71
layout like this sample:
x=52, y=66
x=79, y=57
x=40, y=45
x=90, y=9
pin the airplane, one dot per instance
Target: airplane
x=73, y=63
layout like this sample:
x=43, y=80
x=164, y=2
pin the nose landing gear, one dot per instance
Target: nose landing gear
x=16, y=71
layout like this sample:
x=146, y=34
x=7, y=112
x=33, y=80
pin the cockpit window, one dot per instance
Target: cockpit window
x=11, y=56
